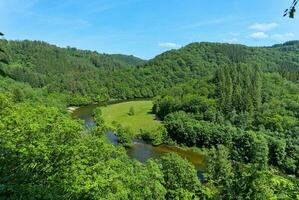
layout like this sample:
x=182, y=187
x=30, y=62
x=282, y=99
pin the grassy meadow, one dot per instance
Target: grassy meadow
x=141, y=118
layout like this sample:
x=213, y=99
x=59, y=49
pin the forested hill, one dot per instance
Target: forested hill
x=127, y=60
x=29, y=59
x=204, y=58
x=88, y=76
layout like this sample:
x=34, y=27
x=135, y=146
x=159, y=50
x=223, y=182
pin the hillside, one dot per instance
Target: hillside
x=68, y=70
x=127, y=60
x=206, y=57
x=96, y=77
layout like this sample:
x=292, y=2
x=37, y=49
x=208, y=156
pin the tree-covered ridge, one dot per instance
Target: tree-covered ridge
x=67, y=70
x=90, y=77
x=125, y=60
x=206, y=57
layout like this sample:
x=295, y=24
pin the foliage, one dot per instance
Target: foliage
x=44, y=155
x=131, y=111
x=291, y=11
x=180, y=178
x=88, y=76
x=124, y=135
x=238, y=103
x=155, y=137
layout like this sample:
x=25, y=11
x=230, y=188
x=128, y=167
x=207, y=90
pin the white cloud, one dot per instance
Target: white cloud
x=232, y=40
x=211, y=22
x=169, y=45
x=282, y=37
x=258, y=35
x=263, y=27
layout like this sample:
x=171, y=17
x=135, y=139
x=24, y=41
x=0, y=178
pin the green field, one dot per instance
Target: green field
x=142, y=119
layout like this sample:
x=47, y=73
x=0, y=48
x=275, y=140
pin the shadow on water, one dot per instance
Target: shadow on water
x=141, y=150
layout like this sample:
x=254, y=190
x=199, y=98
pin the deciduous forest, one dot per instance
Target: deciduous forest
x=237, y=105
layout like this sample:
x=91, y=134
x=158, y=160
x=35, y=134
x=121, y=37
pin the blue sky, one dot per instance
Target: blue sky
x=145, y=28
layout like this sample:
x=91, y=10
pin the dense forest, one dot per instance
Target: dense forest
x=92, y=77
x=238, y=104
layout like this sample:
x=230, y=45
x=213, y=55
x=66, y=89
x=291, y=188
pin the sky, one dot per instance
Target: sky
x=146, y=28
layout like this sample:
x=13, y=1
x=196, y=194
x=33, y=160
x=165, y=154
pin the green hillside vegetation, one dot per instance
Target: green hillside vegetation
x=238, y=104
x=88, y=76
x=125, y=60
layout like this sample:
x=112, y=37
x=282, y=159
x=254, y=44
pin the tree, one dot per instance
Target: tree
x=99, y=121
x=46, y=155
x=220, y=171
x=291, y=11
x=37, y=142
x=180, y=177
x=277, y=152
x=131, y=111
x=250, y=147
x=124, y=135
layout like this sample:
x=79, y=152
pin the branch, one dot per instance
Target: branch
x=292, y=10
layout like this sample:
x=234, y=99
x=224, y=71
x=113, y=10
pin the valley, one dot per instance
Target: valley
x=203, y=121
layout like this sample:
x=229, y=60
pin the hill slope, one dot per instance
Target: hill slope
x=89, y=76
x=127, y=60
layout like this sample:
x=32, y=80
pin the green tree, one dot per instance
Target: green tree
x=277, y=152
x=99, y=121
x=251, y=148
x=124, y=136
x=220, y=171
x=131, y=111
x=180, y=178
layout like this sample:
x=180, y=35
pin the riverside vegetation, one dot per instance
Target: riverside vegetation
x=238, y=104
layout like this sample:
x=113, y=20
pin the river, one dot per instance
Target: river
x=141, y=150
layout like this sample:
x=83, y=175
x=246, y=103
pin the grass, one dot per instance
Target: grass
x=142, y=118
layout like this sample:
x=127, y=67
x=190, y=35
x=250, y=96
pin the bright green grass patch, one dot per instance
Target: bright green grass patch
x=142, y=118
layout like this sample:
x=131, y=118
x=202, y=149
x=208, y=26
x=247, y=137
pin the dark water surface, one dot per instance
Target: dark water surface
x=141, y=150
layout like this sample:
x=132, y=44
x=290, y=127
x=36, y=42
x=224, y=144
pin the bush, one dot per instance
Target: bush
x=155, y=137
x=124, y=136
x=131, y=111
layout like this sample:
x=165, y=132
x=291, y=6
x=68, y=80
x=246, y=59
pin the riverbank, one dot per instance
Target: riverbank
x=107, y=102
x=72, y=108
x=140, y=150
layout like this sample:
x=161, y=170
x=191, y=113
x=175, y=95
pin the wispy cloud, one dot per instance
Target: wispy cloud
x=263, y=26
x=258, y=35
x=169, y=45
x=205, y=23
x=282, y=37
x=216, y=21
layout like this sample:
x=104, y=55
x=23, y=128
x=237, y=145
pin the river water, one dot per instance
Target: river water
x=141, y=150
